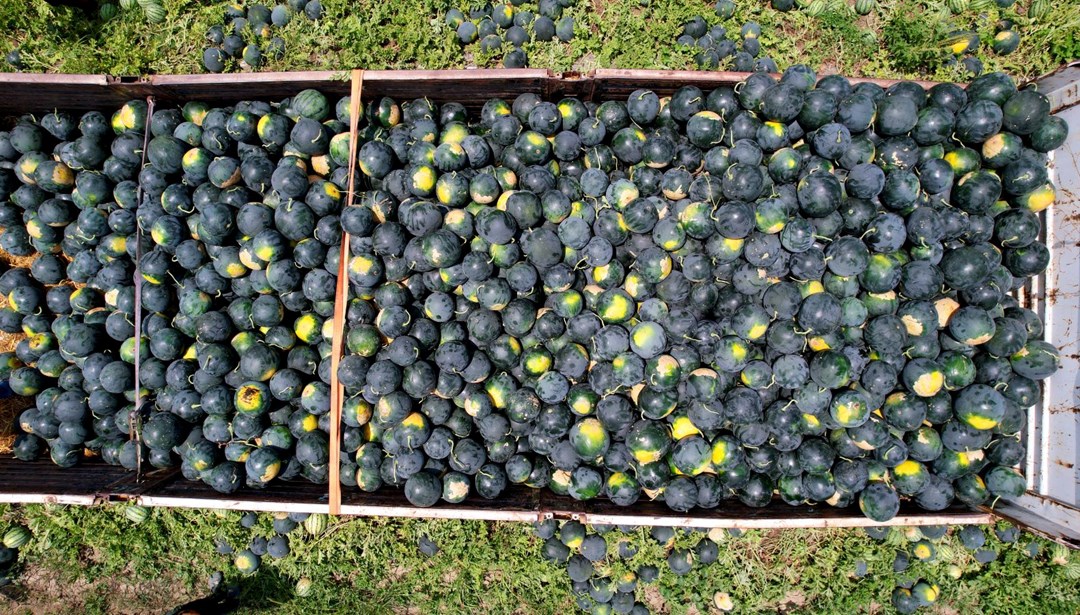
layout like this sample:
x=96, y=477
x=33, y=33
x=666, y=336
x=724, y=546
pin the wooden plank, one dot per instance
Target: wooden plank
x=341, y=300
x=228, y=89
x=40, y=93
x=43, y=482
x=472, y=87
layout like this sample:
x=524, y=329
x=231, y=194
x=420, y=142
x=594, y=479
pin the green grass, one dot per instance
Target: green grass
x=94, y=560
x=609, y=33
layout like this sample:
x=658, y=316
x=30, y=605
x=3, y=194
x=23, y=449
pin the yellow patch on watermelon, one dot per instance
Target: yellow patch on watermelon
x=601, y=272
x=156, y=235
x=738, y=350
x=775, y=227
x=454, y=135
x=844, y=413
x=63, y=175
x=980, y=422
x=321, y=166
x=993, y=146
x=632, y=285
x=126, y=117
x=33, y=228
x=642, y=335
x=913, y=326
x=812, y=287
x=647, y=456
x=863, y=444
x=592, y=430
x=720, y=452
x=271, y=472
x=683, y=427
x=414, y=420
x=954, y=160
x=538, y=363
x=1039, y=198
x=757, y=331
x=908, y=468
x=454, y=217
x=235, y=270
x=497, y=395
x=618, y=309
x=945, y=308
x=249, y=398
x=582, y=406
x=929, y=384
x=423, y=178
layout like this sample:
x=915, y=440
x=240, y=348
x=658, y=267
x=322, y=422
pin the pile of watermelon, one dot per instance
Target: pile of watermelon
x=247, y=36
x=716, y=50
x=237, y=267
x=248, y=558
x=679, y=300
x=512, y=26
x=794, y=287
x=611, y=567
x=963, y=45
x=75, y=302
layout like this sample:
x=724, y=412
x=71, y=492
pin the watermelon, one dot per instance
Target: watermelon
x=136, y=514
x=879, y=502
x=16, y=537
x=247, y=562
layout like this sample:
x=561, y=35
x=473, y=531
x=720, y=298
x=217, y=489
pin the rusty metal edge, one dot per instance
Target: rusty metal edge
x=237, y=78
x=370, y=76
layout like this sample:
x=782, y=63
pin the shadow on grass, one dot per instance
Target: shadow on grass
x=266, y=590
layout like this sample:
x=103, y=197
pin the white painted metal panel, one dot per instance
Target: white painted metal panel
x=1053, y=466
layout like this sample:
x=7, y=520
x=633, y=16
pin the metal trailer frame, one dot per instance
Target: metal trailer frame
x=1050, y=507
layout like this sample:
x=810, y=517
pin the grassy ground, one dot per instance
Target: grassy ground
x=97, y=561
x=609, y=33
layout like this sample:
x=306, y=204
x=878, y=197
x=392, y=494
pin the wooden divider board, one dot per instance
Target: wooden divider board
x=341, y=300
